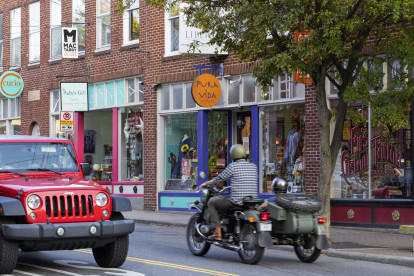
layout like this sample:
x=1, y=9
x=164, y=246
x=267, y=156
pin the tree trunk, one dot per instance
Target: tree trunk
x=326, y=165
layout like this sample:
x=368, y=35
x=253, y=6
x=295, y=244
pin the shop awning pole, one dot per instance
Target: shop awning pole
x=369, y=150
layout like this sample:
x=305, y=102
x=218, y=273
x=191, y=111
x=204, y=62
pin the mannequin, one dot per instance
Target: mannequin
x=186, y=145
x=292, y=143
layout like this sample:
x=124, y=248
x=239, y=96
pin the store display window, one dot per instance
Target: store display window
x=98, y=144
x=132, y=144
x=391, y=162
x=283, y=154
x=181, y=151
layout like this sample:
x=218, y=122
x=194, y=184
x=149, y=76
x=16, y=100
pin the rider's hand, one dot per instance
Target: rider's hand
x=203, y=186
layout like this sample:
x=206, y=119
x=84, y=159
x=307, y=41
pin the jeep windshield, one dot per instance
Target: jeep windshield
x=37, y=156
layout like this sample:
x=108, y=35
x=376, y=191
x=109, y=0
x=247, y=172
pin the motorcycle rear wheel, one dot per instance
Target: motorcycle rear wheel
x=251, y=251
x=307, y=255
x=195, y=242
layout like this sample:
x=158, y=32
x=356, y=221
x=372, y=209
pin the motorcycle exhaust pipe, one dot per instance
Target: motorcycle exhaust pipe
x=227, y=246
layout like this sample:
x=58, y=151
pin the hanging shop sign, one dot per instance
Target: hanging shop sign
x=299, y=77
x=386, y=159
x=206, y=90
x=66, y=121
x=74, y=96
x=69, y=43
x=189, y=35
x=11, y=84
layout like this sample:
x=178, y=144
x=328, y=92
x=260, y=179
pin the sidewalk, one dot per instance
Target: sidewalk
x=375, y=245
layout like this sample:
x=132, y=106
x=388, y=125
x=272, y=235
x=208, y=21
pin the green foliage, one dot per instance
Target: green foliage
x=343, y=35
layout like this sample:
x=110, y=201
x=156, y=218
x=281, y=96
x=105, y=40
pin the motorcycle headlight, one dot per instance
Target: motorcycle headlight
x=101, y=199
x=33, y=202
x=204, y=195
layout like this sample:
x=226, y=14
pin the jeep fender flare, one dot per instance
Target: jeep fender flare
x=120, y=204
x=11, y=207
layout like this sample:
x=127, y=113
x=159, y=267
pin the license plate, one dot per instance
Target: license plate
x=265, y=227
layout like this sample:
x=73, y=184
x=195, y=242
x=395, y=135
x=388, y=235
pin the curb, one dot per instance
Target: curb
x=385, y=259
x=154, y=222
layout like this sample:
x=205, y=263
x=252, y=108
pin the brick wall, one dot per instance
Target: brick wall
x=146, y=59
x=311, y=141
x=118, y=62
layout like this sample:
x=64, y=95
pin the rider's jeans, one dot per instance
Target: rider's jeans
x=215, y=204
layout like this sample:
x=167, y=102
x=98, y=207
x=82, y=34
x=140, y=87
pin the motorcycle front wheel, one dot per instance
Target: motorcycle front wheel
x=310, y=253
x=251, y=252
x=195, y=242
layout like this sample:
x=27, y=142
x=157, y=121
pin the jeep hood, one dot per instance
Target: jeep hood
x=13, y=186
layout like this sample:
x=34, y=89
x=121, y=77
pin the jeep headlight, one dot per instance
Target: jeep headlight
x=33, y=202
x=101, y=199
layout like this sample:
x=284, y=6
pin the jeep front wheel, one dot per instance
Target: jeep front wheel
x=9, y=250
x=115, y=253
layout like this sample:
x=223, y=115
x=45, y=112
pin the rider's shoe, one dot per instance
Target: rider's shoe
x=216, y=235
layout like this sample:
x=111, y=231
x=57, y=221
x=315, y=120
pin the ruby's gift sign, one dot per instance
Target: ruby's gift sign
x=354, y=163
x=206, y=90
x=11, y=84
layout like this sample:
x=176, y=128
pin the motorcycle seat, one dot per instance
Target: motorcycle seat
x=253, y=201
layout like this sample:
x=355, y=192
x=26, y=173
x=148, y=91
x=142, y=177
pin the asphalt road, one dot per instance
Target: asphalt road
x=161, y=250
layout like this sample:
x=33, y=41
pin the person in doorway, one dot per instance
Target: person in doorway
x=244, y=179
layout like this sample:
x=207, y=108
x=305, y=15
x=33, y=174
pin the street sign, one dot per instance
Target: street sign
x=66, y=121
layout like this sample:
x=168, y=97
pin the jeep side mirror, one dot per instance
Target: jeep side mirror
x=86, y=170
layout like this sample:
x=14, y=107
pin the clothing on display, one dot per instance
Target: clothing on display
x=186, y=145
x=292, y=143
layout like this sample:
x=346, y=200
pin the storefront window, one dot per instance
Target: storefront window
x=391, y=167
x=249, y=89
x=283, y=131
x=217, y=146
x=181, y=151
x=10, y=122
x=98, y=143
x=132, y=146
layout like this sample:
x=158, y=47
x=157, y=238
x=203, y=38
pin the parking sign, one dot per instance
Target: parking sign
x=66, y=121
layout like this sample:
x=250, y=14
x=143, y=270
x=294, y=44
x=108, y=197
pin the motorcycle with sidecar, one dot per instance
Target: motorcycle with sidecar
x=295, y=221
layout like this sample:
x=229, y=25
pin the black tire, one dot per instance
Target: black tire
x=115, y=253
x=251, y=252
x=299, y=203
x=9, y=250
x=195, y=242
x=310, y=253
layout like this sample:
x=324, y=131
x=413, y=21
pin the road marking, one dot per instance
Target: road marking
x=183, y=267
x=26, y=273
x=51, y=269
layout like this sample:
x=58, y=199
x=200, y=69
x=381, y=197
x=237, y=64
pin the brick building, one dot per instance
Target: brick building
x=140, y=73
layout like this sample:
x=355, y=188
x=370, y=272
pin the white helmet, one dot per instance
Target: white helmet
x=237, y=152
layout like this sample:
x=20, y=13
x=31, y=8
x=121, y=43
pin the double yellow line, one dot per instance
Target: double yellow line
x=183, y=267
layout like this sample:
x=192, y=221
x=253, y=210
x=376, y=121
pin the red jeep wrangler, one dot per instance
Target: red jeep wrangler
x=47, y=204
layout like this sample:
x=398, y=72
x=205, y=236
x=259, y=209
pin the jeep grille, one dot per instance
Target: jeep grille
x=69, y=206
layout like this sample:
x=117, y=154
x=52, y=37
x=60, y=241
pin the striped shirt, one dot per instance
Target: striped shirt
x=243, y=177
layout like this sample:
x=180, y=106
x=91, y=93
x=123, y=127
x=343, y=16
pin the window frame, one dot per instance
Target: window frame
x=53, y=28
x=79, y=24
x=34, y=28
x=127, y=28
x=13, y=30
x=169, y=18
x=98, y=28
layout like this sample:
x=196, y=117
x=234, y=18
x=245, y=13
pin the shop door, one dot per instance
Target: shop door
x=217, y=142
x=243, y=131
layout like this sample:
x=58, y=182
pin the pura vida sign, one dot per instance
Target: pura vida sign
x=206, y=90
x=11, y=84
